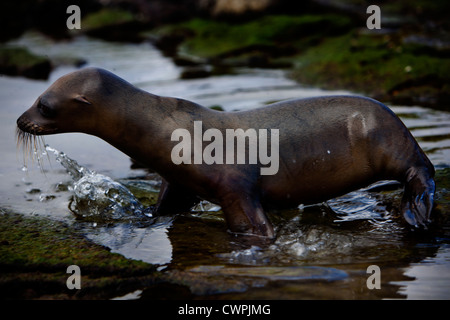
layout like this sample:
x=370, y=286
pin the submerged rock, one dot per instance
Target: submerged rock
x=195, y=72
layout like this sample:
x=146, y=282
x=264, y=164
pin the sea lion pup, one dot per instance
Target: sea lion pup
x=325, y=147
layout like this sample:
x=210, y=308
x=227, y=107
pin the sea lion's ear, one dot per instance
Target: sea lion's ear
x=82, y=99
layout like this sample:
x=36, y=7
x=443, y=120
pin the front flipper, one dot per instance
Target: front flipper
x=245, y=215
x=173, y=199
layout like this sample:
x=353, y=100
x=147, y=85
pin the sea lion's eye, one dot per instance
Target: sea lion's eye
x=45, y=110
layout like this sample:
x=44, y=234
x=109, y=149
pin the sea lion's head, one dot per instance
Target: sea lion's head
x=64, y=107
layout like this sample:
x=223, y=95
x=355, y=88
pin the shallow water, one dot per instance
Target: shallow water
x=337, y=240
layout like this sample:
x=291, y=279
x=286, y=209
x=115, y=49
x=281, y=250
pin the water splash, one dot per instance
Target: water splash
x=344, y=229
x=98, y=197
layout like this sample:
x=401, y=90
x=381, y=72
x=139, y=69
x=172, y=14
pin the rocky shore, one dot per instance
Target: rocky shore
x=321, y=43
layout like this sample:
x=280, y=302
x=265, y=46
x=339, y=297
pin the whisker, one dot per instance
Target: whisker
x=33, y=147
x=22, y=143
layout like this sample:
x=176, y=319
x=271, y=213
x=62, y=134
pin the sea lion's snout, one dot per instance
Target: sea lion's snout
x=24, y=124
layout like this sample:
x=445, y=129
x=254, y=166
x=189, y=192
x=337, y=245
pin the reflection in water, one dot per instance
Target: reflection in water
x=431, y=128
x=429, y=278
x=146, y=242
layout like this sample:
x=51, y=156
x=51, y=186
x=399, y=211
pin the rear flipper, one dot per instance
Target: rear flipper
x=418, y=197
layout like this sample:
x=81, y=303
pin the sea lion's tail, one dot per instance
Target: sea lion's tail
x=418, y=196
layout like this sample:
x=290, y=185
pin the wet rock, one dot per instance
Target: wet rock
x=166, y=291
x=185, y=62
x=157, y=12
x=252, y=60
x=14, y=18
x=195, y=72
x=217, y=108
x=114, y=24
x=121, y=32
x=428, y=45
x=35, y=254
x=34, y=191
x=429, y=90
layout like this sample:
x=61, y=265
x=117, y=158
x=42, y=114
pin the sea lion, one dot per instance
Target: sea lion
x=328, y=146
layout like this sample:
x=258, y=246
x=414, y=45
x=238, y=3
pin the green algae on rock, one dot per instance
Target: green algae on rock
x=35, y=253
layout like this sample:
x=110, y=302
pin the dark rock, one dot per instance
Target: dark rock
x=168, y=43
x=20, y=62
x=195, y=72
x=185, y=62
x=120, y=32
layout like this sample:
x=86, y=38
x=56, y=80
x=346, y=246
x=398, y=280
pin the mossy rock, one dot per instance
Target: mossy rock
x=35, y=253
x=18, y=61
x=442, y=179
x=106, y=17
x=332, y=51
x=211, y=38
x=113, y=25
x=377, y=65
